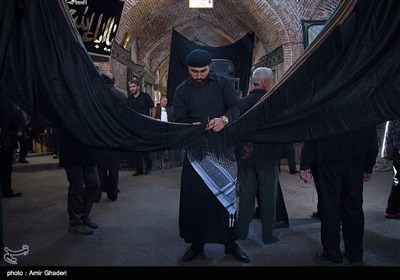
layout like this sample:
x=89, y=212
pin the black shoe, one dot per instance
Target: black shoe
x=23, y=160
x=55, y=156
x=321, y=259
x=147, y=172
x=347, y=257
x=237, y=253
x=98, y=198
x=13, y=194
x=316, y=215
x=135, y=173
x=192, y=251
x=281, y=224
x=80, y=229
x=89, y=223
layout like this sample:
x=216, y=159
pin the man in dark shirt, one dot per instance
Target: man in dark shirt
x=142, y=103
x=204, y=98
x=139, y=101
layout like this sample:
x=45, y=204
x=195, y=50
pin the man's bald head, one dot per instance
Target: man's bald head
x=108, y=78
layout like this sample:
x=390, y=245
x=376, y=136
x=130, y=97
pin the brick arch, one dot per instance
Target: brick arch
x=275, y=24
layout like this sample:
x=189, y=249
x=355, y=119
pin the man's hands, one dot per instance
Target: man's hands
x=305, y=175
x=367, y=177
x=247, y=151
x=216, y=124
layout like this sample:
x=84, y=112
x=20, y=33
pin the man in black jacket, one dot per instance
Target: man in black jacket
x=10, y=124
x=80, y=163
x=343, y=163
x=391, y=151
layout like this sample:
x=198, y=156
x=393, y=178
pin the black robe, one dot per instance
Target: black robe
x=202, y=218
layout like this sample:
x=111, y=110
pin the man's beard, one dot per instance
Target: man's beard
x=199, y=82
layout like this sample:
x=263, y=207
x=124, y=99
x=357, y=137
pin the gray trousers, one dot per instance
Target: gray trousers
x=261, y=175
x=82, y=191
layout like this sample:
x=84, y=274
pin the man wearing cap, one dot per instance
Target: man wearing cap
x=204, y=98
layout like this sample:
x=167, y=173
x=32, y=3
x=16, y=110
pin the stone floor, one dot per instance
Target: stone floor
x=140, y=229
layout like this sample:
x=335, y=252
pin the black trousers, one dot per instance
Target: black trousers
x=6, y=159
x=393, y=205
x=108, y=176
x=290, y=156
x=314, y=170
x=135, y=160
x=281, y=212
x=340, y=199
x=25, y=143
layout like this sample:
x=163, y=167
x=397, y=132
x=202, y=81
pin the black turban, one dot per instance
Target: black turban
x=198, y=58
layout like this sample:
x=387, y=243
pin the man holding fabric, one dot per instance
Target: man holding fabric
x=204, y=217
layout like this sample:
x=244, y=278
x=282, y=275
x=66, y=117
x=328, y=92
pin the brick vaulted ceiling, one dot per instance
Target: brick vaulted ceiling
x=275, y=23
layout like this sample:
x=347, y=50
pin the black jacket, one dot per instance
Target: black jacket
x=355, y=149
x=72, y=152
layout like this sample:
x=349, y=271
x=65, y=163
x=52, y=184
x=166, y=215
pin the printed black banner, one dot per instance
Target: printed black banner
x=97, y=23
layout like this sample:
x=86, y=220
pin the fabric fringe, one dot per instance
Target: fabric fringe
x=295, y=87
x=231, y=220
x=344, y=146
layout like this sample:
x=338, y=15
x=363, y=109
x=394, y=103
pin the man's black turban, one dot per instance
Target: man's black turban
x=198, y=58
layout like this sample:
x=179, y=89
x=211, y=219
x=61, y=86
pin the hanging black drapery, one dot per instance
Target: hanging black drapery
x=50, y=75
x=240, y=53
x=350, y=81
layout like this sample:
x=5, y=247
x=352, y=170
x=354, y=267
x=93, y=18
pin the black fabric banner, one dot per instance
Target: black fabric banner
x=97, y=23
x=52, y=77
x=240, y=53
x=349, y=82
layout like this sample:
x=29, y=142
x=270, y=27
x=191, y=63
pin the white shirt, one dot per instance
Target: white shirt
x=164, y=116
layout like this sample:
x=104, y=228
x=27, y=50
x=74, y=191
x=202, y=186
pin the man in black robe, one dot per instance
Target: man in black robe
x=204, y=98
